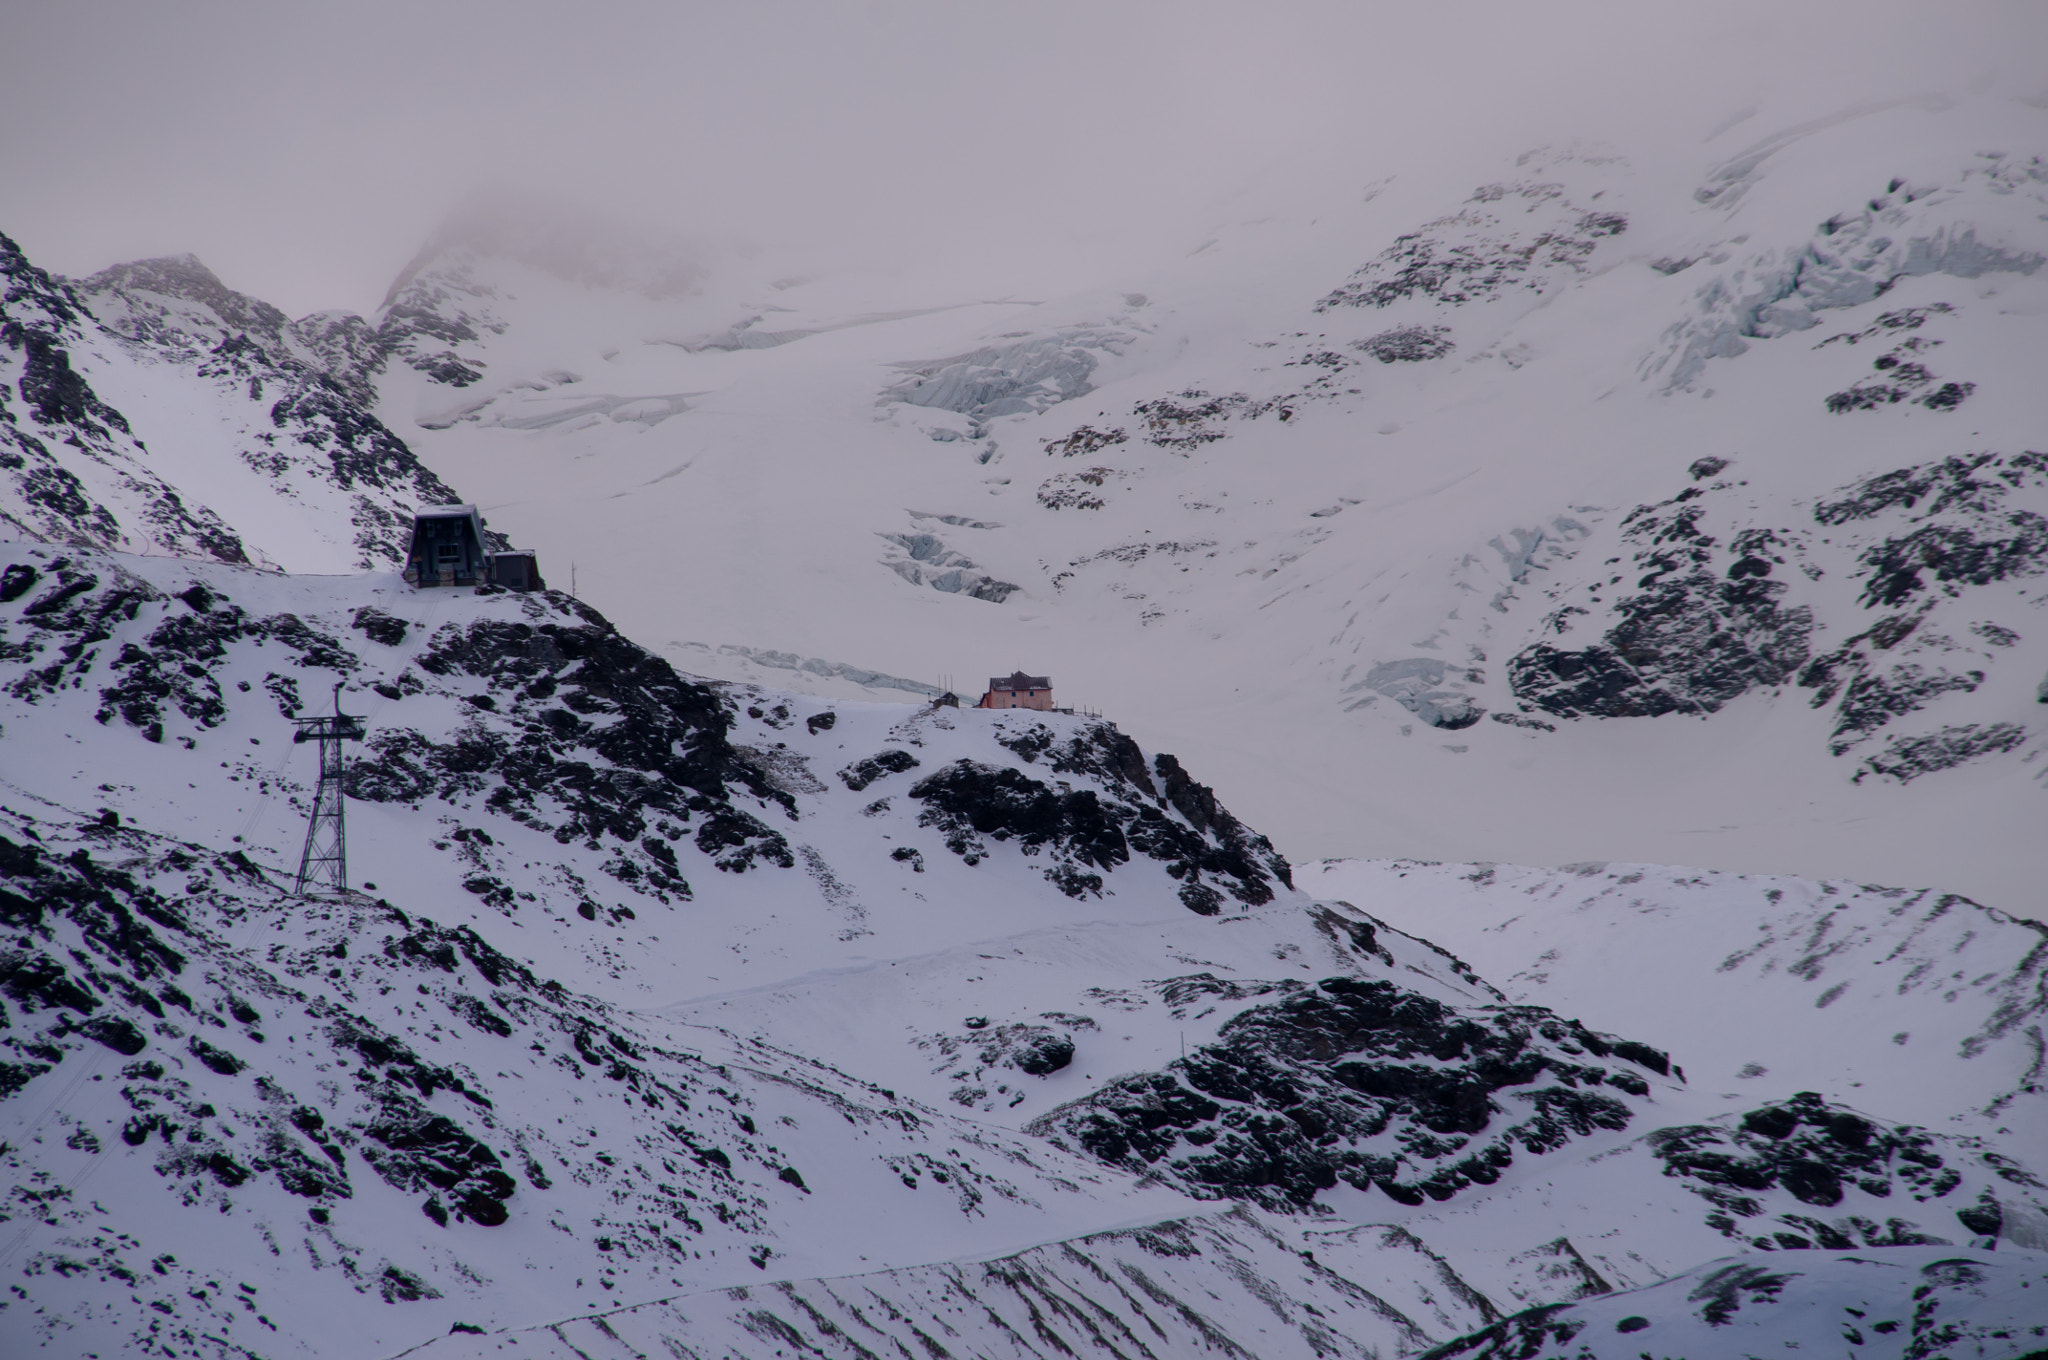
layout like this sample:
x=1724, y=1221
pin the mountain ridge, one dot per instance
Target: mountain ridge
x=371, y=1078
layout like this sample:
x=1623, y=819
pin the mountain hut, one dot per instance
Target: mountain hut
x=1018, y=690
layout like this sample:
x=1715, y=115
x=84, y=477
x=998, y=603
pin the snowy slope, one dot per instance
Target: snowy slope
x=1723, y=968
x=1478, y=511
x=749, y=1018
x=1906, y=1303
x=375, y=1032
x=164, y=413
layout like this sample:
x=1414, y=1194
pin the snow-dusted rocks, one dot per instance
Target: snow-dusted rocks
x=703, y=1011
x=1524, y=234
x=1590, y=516
x=1703, y=605
x=1368, y=1082
x=164, y=412
x=383, y=1099
x=1385, y=510
x=76, y=472
x=1903, y=1304
x=1233, y=1283
x=323, y=1070
x=1760, y=986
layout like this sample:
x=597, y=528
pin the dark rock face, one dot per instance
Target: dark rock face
x=379, y=626
x=312, y=412
x=1506, y=236
x=1699, y=630
x=1901, y=376
x=1968, y=532
x=984, y=1051
x=1176, y=820
x=597, y=737
x=1408, y=344
x=1816, y=1153
x=41, y=320
x=579, y=733
x=1282, y=1104
x=1712, y=615
x=968, y=800
x=1046, y=1055
x=867, y=770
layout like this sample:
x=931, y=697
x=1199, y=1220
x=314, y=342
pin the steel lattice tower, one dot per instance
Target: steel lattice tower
x=323, y=864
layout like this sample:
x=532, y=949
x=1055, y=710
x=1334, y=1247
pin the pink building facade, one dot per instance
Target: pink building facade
x=1018, y=691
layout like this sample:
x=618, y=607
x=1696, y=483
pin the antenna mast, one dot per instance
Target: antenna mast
x=323, y=864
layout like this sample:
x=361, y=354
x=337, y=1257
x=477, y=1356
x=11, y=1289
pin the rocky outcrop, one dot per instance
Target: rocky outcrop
x=295, y=397
x=868, y=769
x=1707, y=621
x=1407, y=344
x=72, y=468
x=572, y=729
x=1715, y=609
x=1830, y=1158
x=1363, y=1081
x=1903, y=1303
x=1087, y=833
x=1528, y=235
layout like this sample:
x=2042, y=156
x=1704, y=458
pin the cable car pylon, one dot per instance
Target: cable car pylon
x=323, y=864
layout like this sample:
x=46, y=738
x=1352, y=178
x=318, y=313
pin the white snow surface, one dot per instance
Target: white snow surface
x=163, y=413
x=1425, y=417
x=1620, y=507
x=644, y=1075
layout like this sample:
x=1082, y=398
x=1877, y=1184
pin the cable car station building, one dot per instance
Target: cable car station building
x=448, y=549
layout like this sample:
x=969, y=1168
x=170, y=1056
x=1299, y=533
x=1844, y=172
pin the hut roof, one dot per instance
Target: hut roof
x=1020, y=681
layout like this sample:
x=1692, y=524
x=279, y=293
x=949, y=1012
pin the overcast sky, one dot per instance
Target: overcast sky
x=305, y=151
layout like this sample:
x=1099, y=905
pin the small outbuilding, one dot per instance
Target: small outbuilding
x=1018, y=690
x=517, y=569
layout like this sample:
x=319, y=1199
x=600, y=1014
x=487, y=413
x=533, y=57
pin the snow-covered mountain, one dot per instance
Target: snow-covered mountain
x=757, y=1020
x=162, y=412
x=1477, y=511
x=712, y=988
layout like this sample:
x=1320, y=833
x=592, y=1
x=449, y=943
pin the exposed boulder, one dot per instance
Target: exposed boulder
x=1365, y=1082
x=1174, y=820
